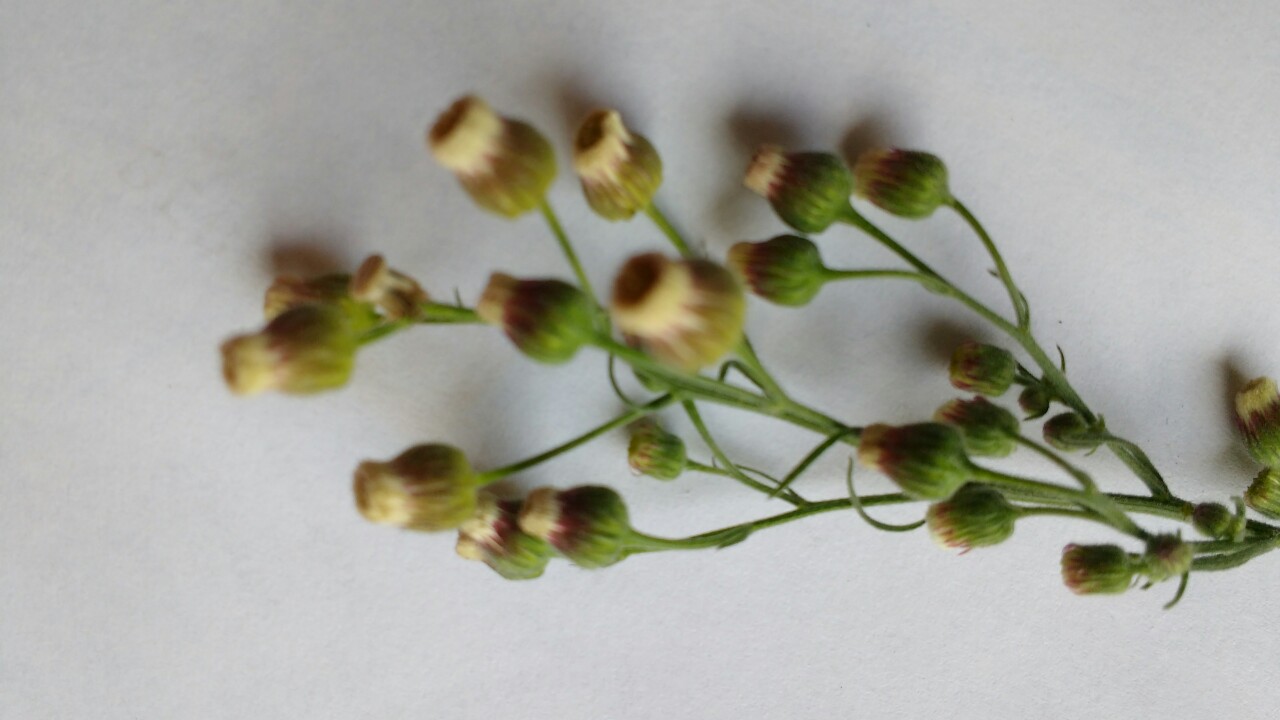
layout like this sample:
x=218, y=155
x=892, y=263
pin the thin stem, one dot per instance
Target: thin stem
x=1020, y=308
x=1099, y=503
x=1080, y=476
x=677, y=240
x=755, y=370
x=1226, y=561
x=808, y=460
x=566, y=247
x=722, y=472
x=855, y=218
x=691, y=409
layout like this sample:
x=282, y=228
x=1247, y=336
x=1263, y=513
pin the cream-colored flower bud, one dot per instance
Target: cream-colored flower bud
x=307, y=349
x=427, y=487
x=493, y=536
x=288, y=292
x=620, y=170
x=396, y=294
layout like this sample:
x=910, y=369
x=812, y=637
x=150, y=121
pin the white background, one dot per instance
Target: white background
x=170, y=551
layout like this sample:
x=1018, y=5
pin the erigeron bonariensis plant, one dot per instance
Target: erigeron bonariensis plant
x=677, y=322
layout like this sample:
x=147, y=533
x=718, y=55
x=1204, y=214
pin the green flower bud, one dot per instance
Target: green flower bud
x=983, y=369
x=1167, y=556
x=1263, y=494
x=288, y=292
x=427, y=487
x=493, y=537
x=1068, y=431
x=786, y=270
x=588, y=524
x=1097, y=569
x=1258, y=419
x=655, y=452
x=926, y=460
x=620, y=170
x=548, y=320
x=809, y=191
x=505, y=165
x=396, y=294
x=905, y=183
x=307, y=349
x=1216, y=521
x=1034, y=401
x=976, y=516
x=989, y=430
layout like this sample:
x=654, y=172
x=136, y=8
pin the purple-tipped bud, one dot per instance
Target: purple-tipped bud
x=588, y=524
x=809, y=191
x=620, y=170
x=427, y=487
x=1258, y=419
x=982, y=369
x=1097, y=569
x=1068, y=431
x=1034, y=401
x=1263, y=494
x=493, y=537
x=308, y=349
x=1217, y=521
x=905, y=183
x=655, y=452
x=396, y=294
x=989, y=430
x=976, y=516
x=548, y=320
x=1167, y=556
x=926, y=460
x=786, y=270
x=288, y=292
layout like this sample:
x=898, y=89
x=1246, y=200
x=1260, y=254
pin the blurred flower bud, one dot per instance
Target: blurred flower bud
x=809, y=191
x=983, y=369
x=307, y=349
x=1167, y=556
x=1263, y=494
x=587, y=524
x=1097, y=569
x=396, y=294
x=548, y=320
x=988, y=430
x=620, y=170
x=1034, y=401
x=976, y=516
x=683, y=313
x=505, y=165
x=493, y=536
x=1068, y=431
x=427, y=487
x=926, y=460
x=1258, y=418
x=786, y=270
x=905, y=183
x=654, y=451
x=1215, y=520
x=288, y=292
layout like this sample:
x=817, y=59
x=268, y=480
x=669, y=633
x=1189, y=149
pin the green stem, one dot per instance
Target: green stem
x=808, y=460
x=855, y=218
x=691, y=409
x=566, y=247
x=1097, y=502
x=1080, y=476
x=1020, y=308
x=677, y=240
x=757, y=373
x=740, y=476
x=1226, y=561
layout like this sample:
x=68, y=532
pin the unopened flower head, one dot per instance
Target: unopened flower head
x=588, y=524
x=396, y=294
x=976, y=516
x=427, y=487
x=1258, y=419
x=1217, y=521
x=988, y=429
x=809, y=191
x=1167, y=556
x=1069, y=431
x=1097, y=569
x=683, y=313
x=307, y=349
x=906, y=183
x=983, y=369
x=1034, y=401
x=786, y=270
x=505, y=165
x=620, y=170
x=926, y=460
x=1263, y=494
x=655, y=452
x=288, y=292
x=548, y=320
x=493, y=536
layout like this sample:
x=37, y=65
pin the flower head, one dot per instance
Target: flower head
x=1069, y=431
x=396, y=294
x=548, y=320
x=588, y=525
x=906, y=183
x=1097, y=569
x=620, y=170
x=1258, y=419
x=655, y=452
x=1263, y=494
x=1166, y=556
x=1216, y=521
x=809, y=191
x=976, y=516
x=983, y=369
x=988, y=429
x=307, y=349
x=427, y=487
x=926, y=460
x=493, y=537
x=288, y=292
x=786, y=270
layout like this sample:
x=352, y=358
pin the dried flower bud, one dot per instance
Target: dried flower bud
x=1069, y=431
x=1216, y=521
x=396, y=294
x=809, y=191
x=926, y=460
x=684, y=313
x=620, y=170
x=493, y=536
x=786, y=270
x=976, y=516
x=1097, y=569
x=587, y=524
x=1258, y=418
x=308, y=349
x=905, y=183
x=1167, y=556
x=983, y=369
x=654, y=451
x=288, y=292
x=989, y=430
x=1263, y=494
x=505, y=165
x=427, y=487
x=548, y=320
x=1034, y=401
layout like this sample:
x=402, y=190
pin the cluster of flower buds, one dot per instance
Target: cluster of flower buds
x=548, y=320
x=926, y=460
x=786, y=270
x=1109, y=569
x=1217, y=521
x=988, y=429
x=975, y=516
x=982, y=369
x=655, y=452
x=493, y=536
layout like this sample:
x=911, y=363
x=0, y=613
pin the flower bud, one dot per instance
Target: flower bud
x=809, y=191
x=620, y=170
x=988, y=430
x=786, y=270
x=1167, y=556
x=976, y=516
x=1215, y=520
x=983, y=369
x=505, y=165
x=587, y=524
x=1069, y=431
x=1263, y=494
x=307, y=349
x=1258, y=419
x=493, y=536
x=548, y=320
x=288, y=292
x=1034, y=401
x=683, y=313
x=396, y=294
x=905, y=183
x=926, y=460
x=427, y=487
x=1097, y=569
x=655, y=452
